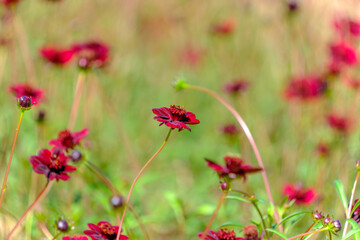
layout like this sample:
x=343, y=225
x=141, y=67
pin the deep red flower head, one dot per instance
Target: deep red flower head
x=251, y=233
x=103, y=231
x=229, y=129
x=298, y=192
x=92, y=54
x=344, y=53
x=20, y=90
x=305, y=88
x=57, y=56
x=347, y=26
x=67, y=140
x=9, y=3
x=76, y=237
x=237, y=86
x=175, y=117
x=234, y=167
x=356, y=213
x=191, y=56
x=53, y=164
x=339, y=123
x=222, y=234
x=224, y=28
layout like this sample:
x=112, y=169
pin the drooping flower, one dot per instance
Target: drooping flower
x=67, y=140
x=305, y=88
x=234, y=167
x=53, y=164
x=91, y=54
x=339, y=123
x=103, y=231
x=356, y=213
x=347, y=26
x=76, y=237
x=175, y=117
x=224, y=28
x=344, y=53
x=20, y=90
x=236, y=86
x=222, y=234
x=57, y=56
x=229, y=129
x=302, y=195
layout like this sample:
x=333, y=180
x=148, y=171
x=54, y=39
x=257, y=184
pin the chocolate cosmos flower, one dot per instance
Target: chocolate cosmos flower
x=103, y=231
x=91, y=54
x=301, y=194
x=57, y=56
x=20, y=90
x=234, y=167
x=53, y=164
x=67, y=140
x=305, y=88
x=222, y=234
x=175, y=117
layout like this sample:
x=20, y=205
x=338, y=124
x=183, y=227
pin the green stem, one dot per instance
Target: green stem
x=348, y=214
x=10, y=159
x=308, y=233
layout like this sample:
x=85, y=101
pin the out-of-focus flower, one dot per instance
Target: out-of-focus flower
x=229, y=129
x=53, y=164
x=322, y=149
x=356, y=213
x=191, y=56
x=347, y=26
x=20, y=90
x=234, y=167
x=293, y=5
x=175, y=117
x=343, y=52
x=103, y=231
x=57, y=56
x=222, y=234
x=353, y=83
x=236, y=86
x=76, y=237
x=305, y=88
x=224, y=28
x=302, y=195
x=67, y=140
x=91, y=54
x=9, y=3
x=339, y=123
x=251, y=233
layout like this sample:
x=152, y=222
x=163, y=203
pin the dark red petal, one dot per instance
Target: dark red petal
x=218, y=168
x=69, y=168
x=78, y=136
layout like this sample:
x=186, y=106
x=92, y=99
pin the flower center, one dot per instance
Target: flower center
x=107, y=229
x=55, y=162
x=29, y=91
x=233, y=163
x=177, y=110
x=225, y=234
x=66, y=139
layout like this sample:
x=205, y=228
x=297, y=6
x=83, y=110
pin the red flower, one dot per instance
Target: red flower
x=237, y=86
x=301, y=194
x=222, y=234
x=229, y=129
x=353, y=83
x=67, y=140
x=53, y=164
x=57, y=56
x=251, y=233
x=344, y=53
x=347, y=26
x=224, y=28
x=175, y=117
x=9, y=3
x=305, y=88
x=91, y=54
x=103, y=231
x=234, y=167
x=20, y=90
x=76, y=237
x=339, y=123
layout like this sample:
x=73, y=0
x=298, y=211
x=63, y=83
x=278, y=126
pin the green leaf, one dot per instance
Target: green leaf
x=238, y=198
x=277, y=232
x=340, y=190
x=351, y=233
x=354, y=226
x=230, y=224
x=287, y=218
x=357, y=204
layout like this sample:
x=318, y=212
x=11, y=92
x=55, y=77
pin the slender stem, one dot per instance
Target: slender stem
x=135, y=180
x=102, y=176
x=37, y=200
x=307, y=230
x=137, y=217
x=251, y=141
x=10, y=159
x=208, y=226
x=330, y=236
x=308, y=233
x=56, y=236
x=45, y=230
x=77, y=98
x=348, y=214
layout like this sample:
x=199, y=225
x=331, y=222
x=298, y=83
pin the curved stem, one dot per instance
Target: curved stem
x=348, y=214
x=10, y=159
x=135, y=180
x=308, y=233
x=208, y=226
x=37, y=200
x=251, y=141
x=307, y=230
x=77, y=98
x=137, y=217
x=102, y=176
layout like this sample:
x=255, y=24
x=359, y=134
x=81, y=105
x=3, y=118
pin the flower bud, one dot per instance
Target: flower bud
x=24, y=103
x=180, y=84
x=357, y=165
x=336, y=225
x=83, y=63
x=62, y=226
x=41, y=117
x=317, y=216
x=327, y=220
x=117, y=201
x=75, y=155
